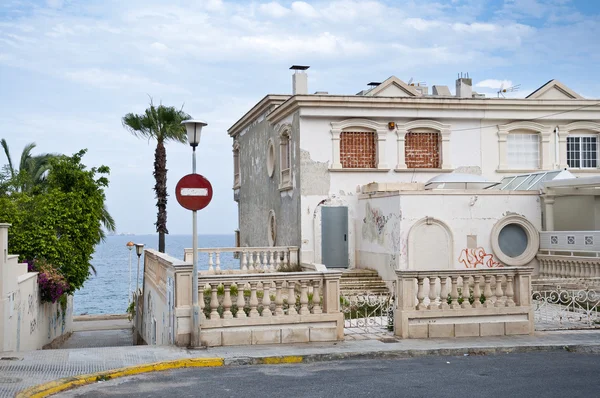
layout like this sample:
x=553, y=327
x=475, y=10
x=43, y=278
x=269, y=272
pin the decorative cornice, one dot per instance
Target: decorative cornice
x=505, y=129
x=358, y=122
x=581, y=125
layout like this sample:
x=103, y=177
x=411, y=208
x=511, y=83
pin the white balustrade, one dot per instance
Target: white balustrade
x=252, y=259
x=268, y=295
x=554, y=266
x=428, y=290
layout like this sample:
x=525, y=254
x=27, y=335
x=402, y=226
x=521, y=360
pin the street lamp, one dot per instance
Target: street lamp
x=130, y=245
x=194, y=129
x=139, y=249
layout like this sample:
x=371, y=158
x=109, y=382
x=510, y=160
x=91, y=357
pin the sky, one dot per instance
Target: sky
x=71, y=69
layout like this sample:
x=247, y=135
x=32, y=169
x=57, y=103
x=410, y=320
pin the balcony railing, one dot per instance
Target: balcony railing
x=251, y=259
x=574, y=243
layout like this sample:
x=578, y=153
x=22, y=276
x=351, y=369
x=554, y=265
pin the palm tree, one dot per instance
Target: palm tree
x=162, y=123
x=32, y=169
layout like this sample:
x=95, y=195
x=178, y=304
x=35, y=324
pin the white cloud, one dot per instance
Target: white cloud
x=494, y=84
x=274, y=9
x=304, y=9
x=118, y=80
x=55, y=3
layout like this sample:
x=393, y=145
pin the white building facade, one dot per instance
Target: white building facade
x=301, y=163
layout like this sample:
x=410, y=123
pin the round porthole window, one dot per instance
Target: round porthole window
x=272, y=228
x=270, y=158
x=515, y=241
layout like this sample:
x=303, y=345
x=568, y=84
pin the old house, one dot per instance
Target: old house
x=396, y=177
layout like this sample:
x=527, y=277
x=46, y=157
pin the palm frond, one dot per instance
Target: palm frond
x=7, y=153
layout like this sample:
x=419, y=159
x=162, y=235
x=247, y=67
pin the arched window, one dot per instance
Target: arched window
x=422, y=149
x=236, y=165
x=358, y=149
x=285, y=158
x=579, y=145
x=524, y=145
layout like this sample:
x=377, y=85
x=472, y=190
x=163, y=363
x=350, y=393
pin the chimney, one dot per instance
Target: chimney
x=299, y=79
x=464, y=86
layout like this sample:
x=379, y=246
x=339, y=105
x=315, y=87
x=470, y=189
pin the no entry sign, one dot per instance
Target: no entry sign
x=194, y=192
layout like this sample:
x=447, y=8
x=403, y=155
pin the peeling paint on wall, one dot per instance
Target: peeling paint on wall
x=374, y=224
x=314, y=179
x=471, y=258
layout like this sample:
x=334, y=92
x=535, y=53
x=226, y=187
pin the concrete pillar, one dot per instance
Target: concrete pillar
x=335, y=137
x=3, y=259
x=549, y=204
x=381, y=137
x=401, y=143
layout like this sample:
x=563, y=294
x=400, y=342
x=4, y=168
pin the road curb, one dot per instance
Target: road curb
x=53, y=387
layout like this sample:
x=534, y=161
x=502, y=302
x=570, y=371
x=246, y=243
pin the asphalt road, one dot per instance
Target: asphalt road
x=560, y=374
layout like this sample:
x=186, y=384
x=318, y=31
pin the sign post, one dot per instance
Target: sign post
x=194, y=192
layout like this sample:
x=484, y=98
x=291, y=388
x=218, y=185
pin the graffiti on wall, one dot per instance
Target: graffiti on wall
x=374, y=224
x=472, y=258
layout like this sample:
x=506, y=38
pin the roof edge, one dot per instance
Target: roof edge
x=259, y=108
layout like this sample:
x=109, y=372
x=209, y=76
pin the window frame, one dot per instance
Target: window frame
x=359, y=125
x=345, y=133
x=237, y=175
x=525, y=127
x=285, y=158
x=417, y=131
x=579, y=137
x=511, y=140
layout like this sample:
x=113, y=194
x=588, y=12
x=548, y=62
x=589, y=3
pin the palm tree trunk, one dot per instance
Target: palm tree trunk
x=160, y=175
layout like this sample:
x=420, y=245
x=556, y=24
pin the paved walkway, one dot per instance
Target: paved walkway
x=25, y=369
x=100, y=331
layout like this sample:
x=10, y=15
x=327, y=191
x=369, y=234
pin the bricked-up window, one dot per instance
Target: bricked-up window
x=358, y=150
x=422, y=150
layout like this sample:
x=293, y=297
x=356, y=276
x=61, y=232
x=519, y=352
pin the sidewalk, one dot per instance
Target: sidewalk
x=22, y=370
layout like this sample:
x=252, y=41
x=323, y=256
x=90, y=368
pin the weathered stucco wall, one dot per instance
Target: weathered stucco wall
x=259, y=193
x=25, y=322
x=385, y=225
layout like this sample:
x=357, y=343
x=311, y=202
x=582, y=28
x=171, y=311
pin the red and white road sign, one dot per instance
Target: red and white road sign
x=194, y=192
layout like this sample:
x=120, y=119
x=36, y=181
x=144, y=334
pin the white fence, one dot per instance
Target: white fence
x=572, y=242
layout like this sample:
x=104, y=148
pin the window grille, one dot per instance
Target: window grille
x=582, y=152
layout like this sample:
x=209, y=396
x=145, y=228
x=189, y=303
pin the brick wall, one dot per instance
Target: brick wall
x=422, y=150
x=358, y=150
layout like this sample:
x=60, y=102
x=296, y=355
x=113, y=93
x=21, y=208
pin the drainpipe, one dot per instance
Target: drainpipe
x=556, y=149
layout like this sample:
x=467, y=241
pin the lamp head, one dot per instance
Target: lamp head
x=194, y=129
x=130, y=245
x=139, y=249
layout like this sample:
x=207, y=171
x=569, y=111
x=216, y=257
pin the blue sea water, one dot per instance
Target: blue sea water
x=106, y=292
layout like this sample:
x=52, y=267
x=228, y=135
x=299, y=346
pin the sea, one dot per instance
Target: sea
x=107, y=291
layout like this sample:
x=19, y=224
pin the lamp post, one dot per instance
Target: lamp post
x=130, y=245
x=139, y=249
x=194, y=129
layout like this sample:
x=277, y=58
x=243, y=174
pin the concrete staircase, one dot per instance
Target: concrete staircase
x=362, y=281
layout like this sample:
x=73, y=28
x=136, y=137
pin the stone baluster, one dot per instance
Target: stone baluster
x=211, y=270
x=487, y=292
x=218, y=262
x=285, y=258
x=241, y=301
x=499, y=293
x=253, y=300
x=265, y=261
x=466, y=292
x=201, y=301
x=271, y=261
x=510, y=291
x=278, y=299
x=444, y=292
x=214, y=301
x=420, y=293
x=433, y=305
x=278, y=261
x=304, y=298
x=477, y=291
x=574, y=270
x=291, y=298
x=266, y=300
x=588, y=269
x=244, y=262
x=227, y=314
x=454, y=292
x=316, y=297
